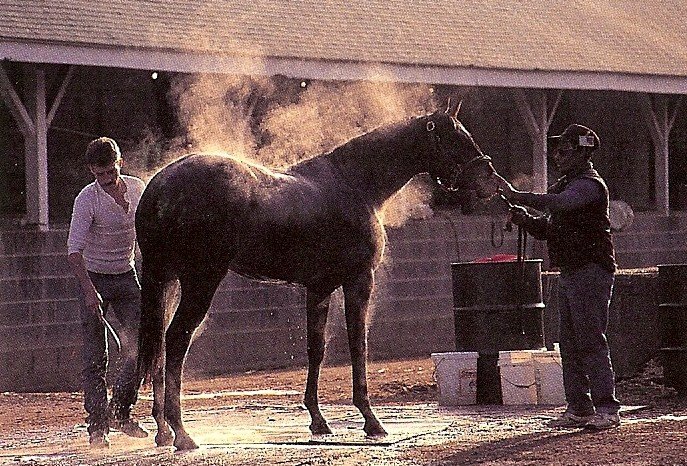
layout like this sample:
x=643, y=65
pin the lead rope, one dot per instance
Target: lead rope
x=494, y=243
x=522, y=256
x=520, y=261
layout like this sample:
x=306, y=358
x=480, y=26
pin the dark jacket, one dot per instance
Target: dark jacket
x=575, y=236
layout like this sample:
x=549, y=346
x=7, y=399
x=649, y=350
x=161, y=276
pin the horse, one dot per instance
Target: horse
x=314, y=224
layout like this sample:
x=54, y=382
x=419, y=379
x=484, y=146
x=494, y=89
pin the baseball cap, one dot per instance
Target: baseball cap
x=577, y=136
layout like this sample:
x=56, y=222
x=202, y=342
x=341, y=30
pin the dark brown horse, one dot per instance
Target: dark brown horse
x=314, y=224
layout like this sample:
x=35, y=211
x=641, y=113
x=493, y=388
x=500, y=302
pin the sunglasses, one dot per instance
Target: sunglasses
x=566, y=149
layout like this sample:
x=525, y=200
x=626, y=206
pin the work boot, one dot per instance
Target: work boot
x=98, y=439
x=129, y=427
x=603, y=421
x=568, y=420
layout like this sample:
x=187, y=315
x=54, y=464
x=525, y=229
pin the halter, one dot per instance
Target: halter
x=458, y=171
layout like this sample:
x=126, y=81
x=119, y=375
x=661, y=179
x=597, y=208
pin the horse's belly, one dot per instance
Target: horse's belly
x=305, y=259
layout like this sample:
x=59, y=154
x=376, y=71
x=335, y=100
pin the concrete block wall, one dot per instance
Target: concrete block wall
x=40, y=335
x=653, y=240
x=256, y=325
x=250, y=326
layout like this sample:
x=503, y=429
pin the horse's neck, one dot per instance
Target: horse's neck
x=380, y=163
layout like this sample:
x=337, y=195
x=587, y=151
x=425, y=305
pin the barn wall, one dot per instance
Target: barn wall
x=257, y=326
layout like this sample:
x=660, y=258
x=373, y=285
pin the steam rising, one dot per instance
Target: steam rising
x=216, y=111
x=329, y=114
x=277, y=122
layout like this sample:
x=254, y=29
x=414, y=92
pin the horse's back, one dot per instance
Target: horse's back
x=192, y=203
x=295, y=227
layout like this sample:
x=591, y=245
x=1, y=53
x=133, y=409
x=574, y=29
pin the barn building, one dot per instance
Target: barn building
x=75, y=69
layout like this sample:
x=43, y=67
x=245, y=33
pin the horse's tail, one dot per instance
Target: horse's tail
x=154, y=286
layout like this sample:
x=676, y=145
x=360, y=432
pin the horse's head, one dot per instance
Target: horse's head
x=456, y=162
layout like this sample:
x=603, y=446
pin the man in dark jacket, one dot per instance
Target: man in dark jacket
x=577, y=231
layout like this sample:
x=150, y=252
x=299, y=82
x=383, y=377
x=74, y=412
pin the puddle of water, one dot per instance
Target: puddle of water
x=49, y=458
x=222, y=394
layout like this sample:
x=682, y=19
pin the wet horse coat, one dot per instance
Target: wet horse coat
x=314, y=224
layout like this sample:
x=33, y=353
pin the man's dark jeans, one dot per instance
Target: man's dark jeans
x=122, y=294
x=588, y=377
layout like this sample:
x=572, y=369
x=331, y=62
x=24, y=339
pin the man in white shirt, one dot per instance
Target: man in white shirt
x=101, y=247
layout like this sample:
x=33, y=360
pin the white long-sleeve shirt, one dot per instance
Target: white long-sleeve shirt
x=102, y=231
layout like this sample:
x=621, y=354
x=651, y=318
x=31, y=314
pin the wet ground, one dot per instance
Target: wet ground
x=253, y=419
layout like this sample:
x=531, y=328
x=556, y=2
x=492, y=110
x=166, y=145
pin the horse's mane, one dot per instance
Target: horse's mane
x=380, y=133
x=356, y=145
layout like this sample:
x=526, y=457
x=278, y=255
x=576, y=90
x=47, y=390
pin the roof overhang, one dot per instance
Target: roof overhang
x=188, y=62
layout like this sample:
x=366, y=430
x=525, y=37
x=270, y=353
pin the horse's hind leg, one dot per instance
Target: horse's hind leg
x=356, y=298
x=317, y=307
x=154, y=291
x=196, y=294
x=164, y=436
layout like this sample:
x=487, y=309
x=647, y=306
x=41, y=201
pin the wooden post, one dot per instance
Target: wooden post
x=660, y=119
x=538, y=117
x=33, y=122
x=36, y=151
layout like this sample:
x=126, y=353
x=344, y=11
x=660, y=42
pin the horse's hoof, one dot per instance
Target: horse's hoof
x=185, y=444
x=320, y=429
x=164, y=439
x=374, y=430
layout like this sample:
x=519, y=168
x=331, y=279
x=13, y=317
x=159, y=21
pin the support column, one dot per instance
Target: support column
x=33, y=122
x=534, y=108
x=660, y=119
x=36, y=151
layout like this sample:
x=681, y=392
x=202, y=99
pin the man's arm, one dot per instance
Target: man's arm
x=537, y=226
x=91, y=295
x=82, y=218
x=577, y=194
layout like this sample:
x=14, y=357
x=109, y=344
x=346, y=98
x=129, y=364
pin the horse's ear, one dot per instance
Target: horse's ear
x=453, y=111
x=460, y=104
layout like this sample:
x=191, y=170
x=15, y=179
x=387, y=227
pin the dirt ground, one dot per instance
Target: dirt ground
x=257, y=418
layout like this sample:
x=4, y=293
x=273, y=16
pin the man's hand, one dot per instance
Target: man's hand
x=504, y=186
x=518, y=215
x=92, y=298
x=93, y=301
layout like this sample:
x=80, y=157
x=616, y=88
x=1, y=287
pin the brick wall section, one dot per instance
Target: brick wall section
x=256, y=326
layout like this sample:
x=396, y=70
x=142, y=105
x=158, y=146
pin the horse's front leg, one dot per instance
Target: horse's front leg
x=356, y=298
x=317, y=308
